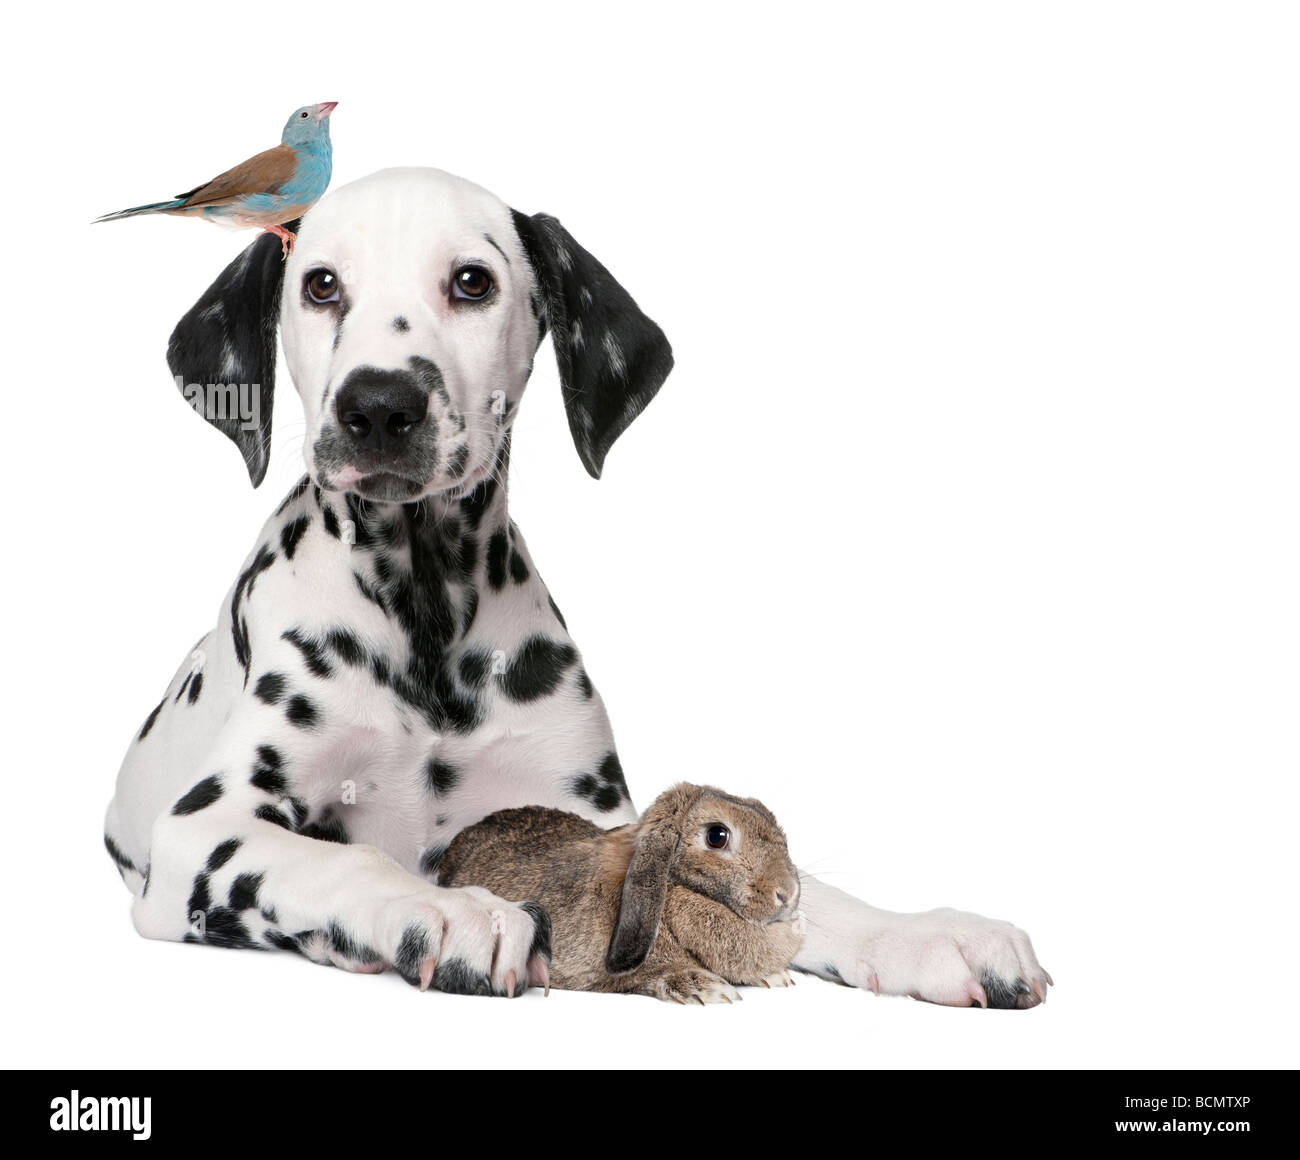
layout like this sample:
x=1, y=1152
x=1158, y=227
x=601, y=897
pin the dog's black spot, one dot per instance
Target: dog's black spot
x=430, y=860
x=467, y=556
x=401, y=325
x=272, y=815
x=284, y=942
x=327, y=828
x=474, y=667
x=606, y=789
x=391, y=533
x=471, y=610
x=412, y=950
x=440, y=776
x=370, y=593
x=536, y=668
x=221, y=925
x=1003, y=995
x=199, y=796
x=295, y=493
x=292, y=533
x=119, y=858
x=299, y=809
x=350, y=948
x=831, y=972
x=518, y=569
x=196, y=687
x=331, y=521
x=185, y=684
x=269, y=688
x=200, y=896
x=267, y=774
x=541, y=944
x=263, y=559
x=362, y=536
x=243, y=892
x=457, y=977
x=148, y=721
x=346, y=646
x=611, y=771
x=475, y=505
x=301, y=712
x=224, y=928
x=584, y=684
x=498, y=547
x=603, y=797
x=222, y=854
x=458, y=462
x=312, y=652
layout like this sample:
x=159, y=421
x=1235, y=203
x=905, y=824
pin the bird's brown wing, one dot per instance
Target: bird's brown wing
x=264, y=173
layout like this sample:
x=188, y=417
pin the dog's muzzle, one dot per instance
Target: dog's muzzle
x=384, y=441
x=379, y=411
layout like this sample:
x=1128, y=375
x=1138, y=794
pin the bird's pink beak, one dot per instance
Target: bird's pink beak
x=325, y=108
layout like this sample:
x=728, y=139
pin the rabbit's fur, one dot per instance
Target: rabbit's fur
x=647, y=908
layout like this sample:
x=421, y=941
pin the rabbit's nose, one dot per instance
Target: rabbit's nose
x=787, y=898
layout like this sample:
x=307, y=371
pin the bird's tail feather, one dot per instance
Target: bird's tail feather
x=155, y=207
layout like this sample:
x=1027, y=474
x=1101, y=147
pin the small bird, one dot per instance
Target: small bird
x=267, y=190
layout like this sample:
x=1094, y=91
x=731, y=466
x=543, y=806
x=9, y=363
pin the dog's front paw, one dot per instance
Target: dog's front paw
x=466, y=941
x=955, y=959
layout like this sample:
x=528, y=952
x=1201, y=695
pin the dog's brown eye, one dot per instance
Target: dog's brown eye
x=322, y=286
x=472, y=282
x=717, y=837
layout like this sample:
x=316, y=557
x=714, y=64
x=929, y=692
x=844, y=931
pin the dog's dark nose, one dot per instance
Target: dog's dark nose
x=379, y=408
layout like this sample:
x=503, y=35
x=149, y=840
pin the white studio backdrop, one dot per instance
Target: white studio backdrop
x=963, y=534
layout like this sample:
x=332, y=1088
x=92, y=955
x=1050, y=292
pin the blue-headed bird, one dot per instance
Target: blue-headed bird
x=267, y=190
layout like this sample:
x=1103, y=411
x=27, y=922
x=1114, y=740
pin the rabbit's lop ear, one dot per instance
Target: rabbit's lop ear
x=645, y=888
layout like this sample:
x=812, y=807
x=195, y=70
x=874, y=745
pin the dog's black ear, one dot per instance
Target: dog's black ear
x=612, y=358
x=223, y=351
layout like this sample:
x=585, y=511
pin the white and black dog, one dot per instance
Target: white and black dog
x=389, y=667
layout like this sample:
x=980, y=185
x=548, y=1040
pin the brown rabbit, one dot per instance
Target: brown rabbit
x=697, y=895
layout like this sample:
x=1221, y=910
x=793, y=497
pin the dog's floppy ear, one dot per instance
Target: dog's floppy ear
x=223, y=351
x=612, y=358
x=645, y=887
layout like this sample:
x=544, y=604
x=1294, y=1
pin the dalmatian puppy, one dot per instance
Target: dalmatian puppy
x=388, y=667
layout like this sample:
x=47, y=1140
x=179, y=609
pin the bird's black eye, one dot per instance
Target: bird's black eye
x=304, y=114
x=717, y=836
x=322, y=286
x=471, y=282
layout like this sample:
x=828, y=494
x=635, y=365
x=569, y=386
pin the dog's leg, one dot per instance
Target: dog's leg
x=941, y=956
x=227, y=868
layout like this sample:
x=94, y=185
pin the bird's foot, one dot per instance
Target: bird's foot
x=286, y=239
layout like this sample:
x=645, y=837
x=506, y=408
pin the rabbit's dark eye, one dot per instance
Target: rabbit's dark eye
x=717, y=837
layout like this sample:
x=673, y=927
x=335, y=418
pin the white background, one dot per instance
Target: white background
x=964, y=533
